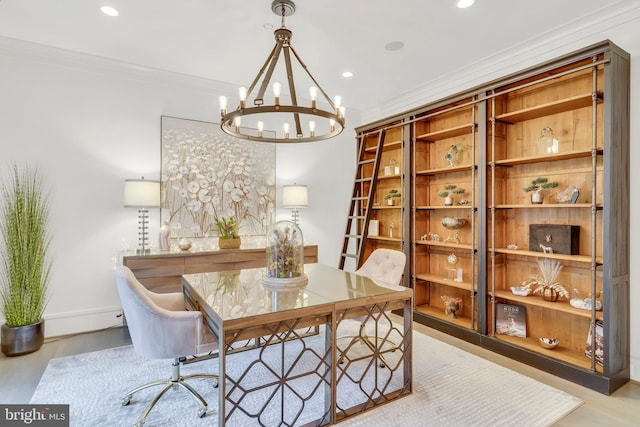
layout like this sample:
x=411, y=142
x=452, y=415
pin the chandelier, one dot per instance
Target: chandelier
x=299, y=123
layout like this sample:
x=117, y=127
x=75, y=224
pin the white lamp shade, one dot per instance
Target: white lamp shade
x=141, y=193
x=295, y=196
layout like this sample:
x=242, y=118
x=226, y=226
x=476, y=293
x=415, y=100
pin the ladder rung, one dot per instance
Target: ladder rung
x=364, y=162
x=349, y=255
x=370, y=178
x=355, y=217
x=360, y=198
x=353, y=236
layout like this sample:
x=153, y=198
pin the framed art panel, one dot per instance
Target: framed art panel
x=207, y=174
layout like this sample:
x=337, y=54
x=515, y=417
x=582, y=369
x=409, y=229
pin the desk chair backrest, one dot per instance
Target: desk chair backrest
x=384, y=265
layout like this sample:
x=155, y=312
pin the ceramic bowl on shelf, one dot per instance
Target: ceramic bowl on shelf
x=548, y=342
x=451, y=223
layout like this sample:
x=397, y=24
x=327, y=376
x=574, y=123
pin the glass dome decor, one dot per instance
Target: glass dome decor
x=285, y=256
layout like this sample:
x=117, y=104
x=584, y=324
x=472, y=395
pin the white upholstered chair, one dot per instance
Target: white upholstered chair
x=385, y=267
x=161, y=328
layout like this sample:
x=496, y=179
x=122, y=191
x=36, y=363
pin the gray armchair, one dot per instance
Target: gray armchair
x=160, y=328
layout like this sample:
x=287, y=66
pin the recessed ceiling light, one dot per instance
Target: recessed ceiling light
x=464, y=3
x=110, y=11
x=396, y=45
x=267, y=26
x=347, y=74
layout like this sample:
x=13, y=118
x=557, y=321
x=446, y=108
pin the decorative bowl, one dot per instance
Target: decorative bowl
x=453, y=223
x=522, y=291
x=548, y=342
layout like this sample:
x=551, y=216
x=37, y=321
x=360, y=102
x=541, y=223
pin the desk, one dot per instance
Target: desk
x=303, y=385
x=161, y=271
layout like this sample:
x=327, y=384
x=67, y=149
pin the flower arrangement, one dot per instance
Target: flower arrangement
x=285, y=259
x=227, y=228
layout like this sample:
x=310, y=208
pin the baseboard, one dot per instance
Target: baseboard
x=82, y=321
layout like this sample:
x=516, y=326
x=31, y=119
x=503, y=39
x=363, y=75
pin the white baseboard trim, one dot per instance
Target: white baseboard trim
x=74, y=322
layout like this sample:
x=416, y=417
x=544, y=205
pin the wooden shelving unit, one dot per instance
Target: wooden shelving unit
x=566, y=120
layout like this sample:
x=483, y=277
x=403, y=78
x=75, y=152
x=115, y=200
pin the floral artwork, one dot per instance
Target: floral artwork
x=207, y=174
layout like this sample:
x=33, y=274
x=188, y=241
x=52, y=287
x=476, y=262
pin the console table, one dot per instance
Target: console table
x=161, y=271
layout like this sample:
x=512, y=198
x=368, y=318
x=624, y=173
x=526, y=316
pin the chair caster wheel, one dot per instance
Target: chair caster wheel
x=202, y=412
x=382, y=365
x=138, y=424
x=126, y=400
x=215, y=383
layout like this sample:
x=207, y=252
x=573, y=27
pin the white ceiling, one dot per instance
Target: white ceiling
x=226, y=40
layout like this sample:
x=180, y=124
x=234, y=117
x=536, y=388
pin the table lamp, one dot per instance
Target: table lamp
x=295, y=197
x=142, y=194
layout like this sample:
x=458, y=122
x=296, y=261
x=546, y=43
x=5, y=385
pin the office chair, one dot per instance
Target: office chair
x=384, y=266
x=160, y=328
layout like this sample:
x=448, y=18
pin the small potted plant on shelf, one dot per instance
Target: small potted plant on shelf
x=536, y=187
x=392, y=194
x=449, y=190
x=228, y=237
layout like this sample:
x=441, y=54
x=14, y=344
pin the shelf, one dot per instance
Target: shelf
x=441, y=171
x=440, y=207
x=464, y=246
x=555, y=107
x=560, y=352
x=567, y=155
x=442, y=281
x=386, y=207
x=385, y=238
x=537, y=301
x=385, y=177
x=563, y=257
x=447, y=133
x=438, y=313
x=549, y=206
x=391, y=145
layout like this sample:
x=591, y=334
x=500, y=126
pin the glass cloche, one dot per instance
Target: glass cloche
x=285, y=255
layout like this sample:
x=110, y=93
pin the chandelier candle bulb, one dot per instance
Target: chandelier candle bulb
x=313, y=93
x=276, y=92
x=312, y=128
x=242, y=93
x=260, y=128
x=332, y=125
x=223, y=105
x=286, y=130
x=236, y=122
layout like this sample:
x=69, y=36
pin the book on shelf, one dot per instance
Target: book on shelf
x=511, y=320
x=599, y=350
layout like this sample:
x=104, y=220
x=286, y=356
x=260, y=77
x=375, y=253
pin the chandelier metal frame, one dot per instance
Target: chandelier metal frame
x=230, y=121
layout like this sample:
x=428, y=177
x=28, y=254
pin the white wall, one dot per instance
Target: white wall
x=621, y=25
x=89, y=124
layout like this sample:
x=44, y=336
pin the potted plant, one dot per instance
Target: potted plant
x=228, y=237
x=392, y=194
x=449, y=190
x=537, y=185
x=25, y=264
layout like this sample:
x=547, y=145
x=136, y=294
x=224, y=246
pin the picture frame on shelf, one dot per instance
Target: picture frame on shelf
x=511, y=320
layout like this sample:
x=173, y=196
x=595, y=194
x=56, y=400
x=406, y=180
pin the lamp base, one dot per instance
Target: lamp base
x=145, y=251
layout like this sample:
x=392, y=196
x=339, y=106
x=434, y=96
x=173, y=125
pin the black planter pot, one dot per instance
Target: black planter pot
x=22, y=339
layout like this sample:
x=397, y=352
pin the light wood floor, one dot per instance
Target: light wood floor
x=20, y=376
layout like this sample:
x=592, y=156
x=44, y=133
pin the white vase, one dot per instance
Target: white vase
x=536, y=197
x=390, y=202
x=164, y=236
x=448, y=201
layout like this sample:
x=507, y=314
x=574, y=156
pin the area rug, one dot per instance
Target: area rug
x=451, y=388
